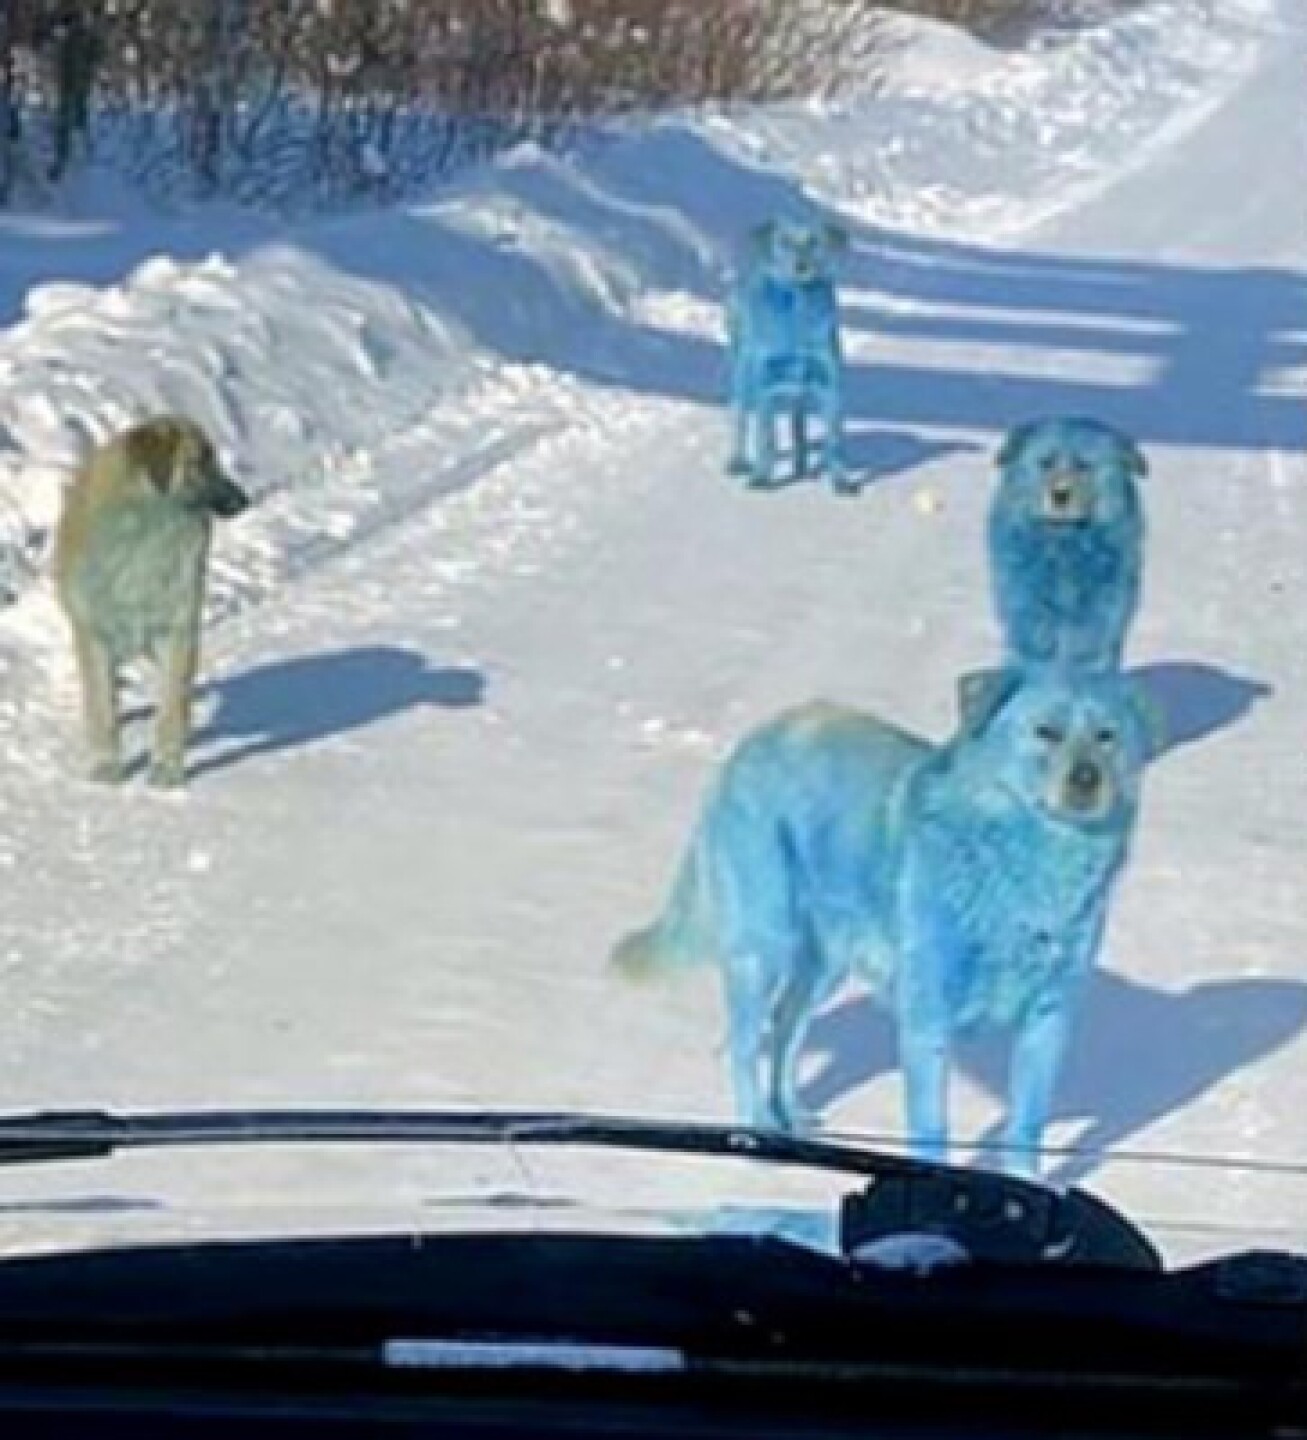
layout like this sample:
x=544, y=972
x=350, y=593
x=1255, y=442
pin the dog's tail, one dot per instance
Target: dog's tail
x=681, y=937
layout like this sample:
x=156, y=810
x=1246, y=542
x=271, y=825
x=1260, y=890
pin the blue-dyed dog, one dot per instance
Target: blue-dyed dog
x=1066, y=537
x=785, y=356
x=966, y=882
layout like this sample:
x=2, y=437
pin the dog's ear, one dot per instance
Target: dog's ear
x=155, y=449
x=981, y=695
x=1135, y=459
x=837, y=238
x=1014, y=442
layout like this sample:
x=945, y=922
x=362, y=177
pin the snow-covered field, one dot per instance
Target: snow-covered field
x=498, y=611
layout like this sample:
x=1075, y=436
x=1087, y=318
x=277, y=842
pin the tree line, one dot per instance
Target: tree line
x=264, y=100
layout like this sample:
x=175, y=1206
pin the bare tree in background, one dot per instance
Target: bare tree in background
x=76, y=39
x=10, y=114
x=323, y=101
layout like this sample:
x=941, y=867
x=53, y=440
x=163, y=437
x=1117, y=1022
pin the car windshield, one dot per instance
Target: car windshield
x=739, y=561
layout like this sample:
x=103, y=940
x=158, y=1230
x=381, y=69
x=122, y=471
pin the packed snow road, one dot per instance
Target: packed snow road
x=446, y=771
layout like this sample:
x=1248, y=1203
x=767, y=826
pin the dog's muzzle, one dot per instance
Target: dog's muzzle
x=1066, y=501
x=227, y=500
x=1085, y=789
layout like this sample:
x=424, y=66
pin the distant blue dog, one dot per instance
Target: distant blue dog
x=785, y=357
x=1066, y=536
x=966, y=882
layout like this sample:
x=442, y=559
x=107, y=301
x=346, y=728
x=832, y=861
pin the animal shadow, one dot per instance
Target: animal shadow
x=873, y=455
x=293, y=703
x=1197, y=700
x=876, y=454
x=1139, y=1053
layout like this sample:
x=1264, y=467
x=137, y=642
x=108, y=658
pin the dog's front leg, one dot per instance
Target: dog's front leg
x=99, y=686
x=924, y=1054
x=178, y=662
x=763, y=470
x=1037, y=1055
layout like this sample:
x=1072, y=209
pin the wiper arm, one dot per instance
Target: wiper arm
x=992, y=1216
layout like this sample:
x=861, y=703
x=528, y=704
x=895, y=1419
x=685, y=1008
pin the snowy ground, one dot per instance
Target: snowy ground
x=499, y=611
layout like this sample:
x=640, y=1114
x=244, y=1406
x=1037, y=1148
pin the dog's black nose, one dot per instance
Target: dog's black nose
x=229, y=502
x=1086, y=777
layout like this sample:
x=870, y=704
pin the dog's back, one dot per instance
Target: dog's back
x=796, y=840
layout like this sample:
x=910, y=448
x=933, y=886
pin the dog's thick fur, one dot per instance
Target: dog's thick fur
x=1066, y=537
x=785, y=354
x=967, y=883
x=131, y=556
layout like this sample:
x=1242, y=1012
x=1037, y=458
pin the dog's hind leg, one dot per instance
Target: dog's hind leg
x=99, y=706
x=810, y=986
x=748, y=1004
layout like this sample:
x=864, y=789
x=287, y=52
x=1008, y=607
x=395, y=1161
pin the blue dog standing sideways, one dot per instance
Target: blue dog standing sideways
x=785, y=352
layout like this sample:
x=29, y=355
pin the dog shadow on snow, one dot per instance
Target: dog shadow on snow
x=876, y=455
x=1140, y=1052
x=1197, y=699
x=293, y=703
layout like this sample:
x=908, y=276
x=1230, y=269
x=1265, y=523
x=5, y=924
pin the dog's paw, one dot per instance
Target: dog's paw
x=737, y=465
x=105, y=772
x=166, y=775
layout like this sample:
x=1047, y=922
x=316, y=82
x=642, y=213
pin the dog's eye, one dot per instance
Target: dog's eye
x=1050, y=734
x=1106, y=736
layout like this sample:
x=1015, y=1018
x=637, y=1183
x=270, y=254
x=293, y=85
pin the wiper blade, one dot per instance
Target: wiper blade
x=991, y=1216
x=73, y=1134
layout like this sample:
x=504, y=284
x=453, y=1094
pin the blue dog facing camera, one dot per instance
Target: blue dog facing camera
x=1066, y=540
x=966, y=883
x=785, y=354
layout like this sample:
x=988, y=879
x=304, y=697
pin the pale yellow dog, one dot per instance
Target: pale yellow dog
x=131, y=560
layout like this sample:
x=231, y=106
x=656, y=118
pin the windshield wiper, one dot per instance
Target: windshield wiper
x=989, y=1216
